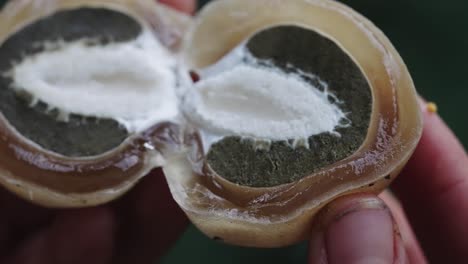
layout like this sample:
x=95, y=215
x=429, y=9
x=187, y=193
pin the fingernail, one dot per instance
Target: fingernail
x=355, y=230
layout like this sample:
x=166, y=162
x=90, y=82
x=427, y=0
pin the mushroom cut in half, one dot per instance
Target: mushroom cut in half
x=87, y=96
x=295, y=103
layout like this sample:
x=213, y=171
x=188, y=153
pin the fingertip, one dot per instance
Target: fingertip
x=411, y=244
x=438, y=163
x=437, y=169
x=82, y=236
x=152, y=221
x=32, y=251
x=358, y=229
x=432, y=188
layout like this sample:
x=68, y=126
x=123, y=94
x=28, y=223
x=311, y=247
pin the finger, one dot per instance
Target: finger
x=31, y=252
x=433, y=189
x=82, y=236
x=76, y=236
x=151, y=221
x=186, y=6
x=411, y=244
x=19, y=219
x=20, y=212
x=358, y=229
x=4, y=234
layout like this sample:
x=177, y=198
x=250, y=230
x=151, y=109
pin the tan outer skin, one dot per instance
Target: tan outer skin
x=53, y=180
x=286, y=218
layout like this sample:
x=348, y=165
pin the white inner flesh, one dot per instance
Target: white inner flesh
x=131, y=82
x=239, y=97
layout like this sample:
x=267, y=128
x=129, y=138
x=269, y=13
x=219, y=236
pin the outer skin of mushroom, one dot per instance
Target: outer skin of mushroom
x=52, y=180
x=282, y=215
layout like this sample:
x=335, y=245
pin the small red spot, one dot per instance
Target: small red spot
x=195, y=76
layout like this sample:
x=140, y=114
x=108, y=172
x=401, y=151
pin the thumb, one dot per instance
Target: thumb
x=356, y=229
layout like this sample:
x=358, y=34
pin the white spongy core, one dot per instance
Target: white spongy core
x=131, y=82
x=261, y=103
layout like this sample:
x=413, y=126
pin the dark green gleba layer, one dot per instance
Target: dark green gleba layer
x=239, y=162
x=80, y=136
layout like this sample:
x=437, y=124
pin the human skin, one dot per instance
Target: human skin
x=141, y=226
x=430, y=197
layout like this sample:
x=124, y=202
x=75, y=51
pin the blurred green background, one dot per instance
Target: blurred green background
x=432, y=37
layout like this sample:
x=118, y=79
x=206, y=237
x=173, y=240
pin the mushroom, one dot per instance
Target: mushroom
x=293, y=109
x=286, y=111
x=87, y=97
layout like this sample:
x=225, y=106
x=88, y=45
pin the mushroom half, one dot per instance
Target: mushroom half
x=283, y=113
x=87, y=96
x=292, y=109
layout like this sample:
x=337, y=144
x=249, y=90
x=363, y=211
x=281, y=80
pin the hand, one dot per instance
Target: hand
x=141, y=226
x=137, y=228
x=432, y=189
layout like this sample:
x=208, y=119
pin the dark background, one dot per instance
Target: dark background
x=432, y=38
